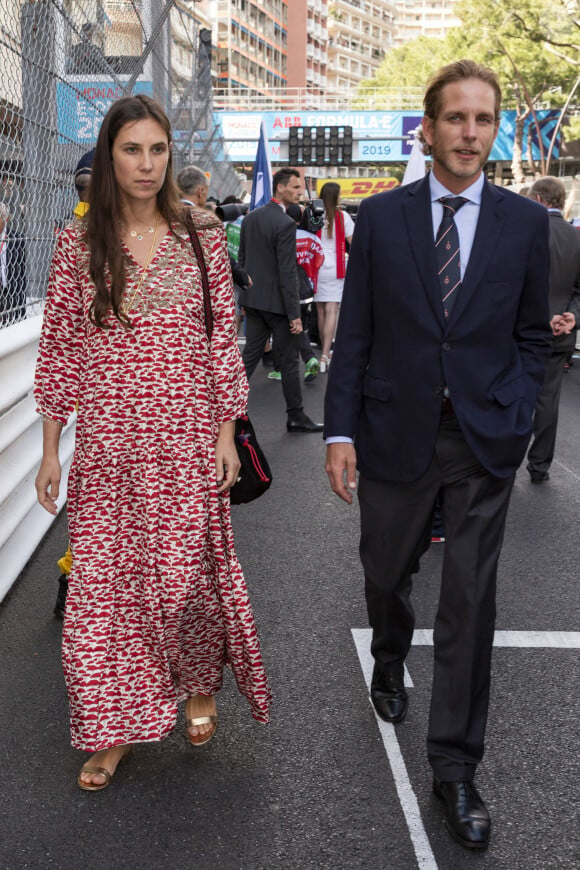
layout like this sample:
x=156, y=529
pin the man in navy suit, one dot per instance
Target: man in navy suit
x=440, y=353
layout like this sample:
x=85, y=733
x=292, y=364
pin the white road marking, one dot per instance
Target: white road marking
x=410, y=807
x=424, y=637
x=565, y=467
x=521, y=639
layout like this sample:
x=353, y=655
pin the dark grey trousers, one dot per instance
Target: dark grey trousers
x=260, y=325
x=395, y=532
x=541, y=452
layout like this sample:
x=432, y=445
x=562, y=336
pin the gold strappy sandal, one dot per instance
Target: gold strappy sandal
x=200, y=739
x=101, y=771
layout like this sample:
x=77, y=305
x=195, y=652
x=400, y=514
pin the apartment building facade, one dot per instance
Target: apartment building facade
x=307, y=45
x=359, y=34
x=423, y=18
x=251, y=44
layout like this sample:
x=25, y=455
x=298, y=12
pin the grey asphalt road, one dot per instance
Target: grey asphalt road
x=314, y=790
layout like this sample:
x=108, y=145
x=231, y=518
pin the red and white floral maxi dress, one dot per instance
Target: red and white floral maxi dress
x=157, y=602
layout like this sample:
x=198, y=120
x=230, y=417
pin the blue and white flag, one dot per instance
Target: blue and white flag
x=262, y=181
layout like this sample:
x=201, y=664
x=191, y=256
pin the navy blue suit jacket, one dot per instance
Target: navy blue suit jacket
x=395, y=351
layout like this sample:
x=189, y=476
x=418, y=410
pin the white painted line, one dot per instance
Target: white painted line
x=409, y=805
x=565, y=467
x=521, y=639
x=362, y=640
x=538, y=639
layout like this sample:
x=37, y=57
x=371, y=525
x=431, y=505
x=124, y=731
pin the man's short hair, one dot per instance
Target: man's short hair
x=457, y=71
x=190, y=178
x=550, y=191
x=283, y=176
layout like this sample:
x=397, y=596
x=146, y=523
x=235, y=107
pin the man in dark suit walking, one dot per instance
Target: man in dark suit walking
x=565, y=316
x=440, y=353
x=272, y=303
x=12, y=272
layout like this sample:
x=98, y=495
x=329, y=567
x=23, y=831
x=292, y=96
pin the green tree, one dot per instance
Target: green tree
x=532, y=49
x=531, y=74
x=553, y=24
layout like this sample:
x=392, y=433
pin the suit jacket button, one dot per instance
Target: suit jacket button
x=446, y=346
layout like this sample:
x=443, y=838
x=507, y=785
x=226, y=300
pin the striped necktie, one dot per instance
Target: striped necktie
x=447, y=250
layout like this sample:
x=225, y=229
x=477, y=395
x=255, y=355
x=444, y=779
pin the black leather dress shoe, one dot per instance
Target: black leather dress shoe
x=538, y=476
x=303, y=424
x=389, y=695
x=466, y=816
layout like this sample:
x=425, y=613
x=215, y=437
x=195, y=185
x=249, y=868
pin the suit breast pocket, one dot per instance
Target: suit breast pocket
x=507, y=272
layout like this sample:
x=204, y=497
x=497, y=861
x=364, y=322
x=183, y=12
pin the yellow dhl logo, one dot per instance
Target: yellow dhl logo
x=358, y=188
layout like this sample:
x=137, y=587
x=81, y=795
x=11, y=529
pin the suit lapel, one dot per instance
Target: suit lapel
x=490, y=227
x=417, y=213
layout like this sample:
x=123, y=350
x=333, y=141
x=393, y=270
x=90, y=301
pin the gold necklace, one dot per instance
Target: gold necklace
x=135, y=234
x=127, y=306
x=139, y=236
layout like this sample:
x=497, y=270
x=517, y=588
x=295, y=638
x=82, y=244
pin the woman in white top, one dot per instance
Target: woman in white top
x=338, y=229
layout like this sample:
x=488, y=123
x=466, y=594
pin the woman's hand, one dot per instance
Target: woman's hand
x=227, y=463
x=47, y=483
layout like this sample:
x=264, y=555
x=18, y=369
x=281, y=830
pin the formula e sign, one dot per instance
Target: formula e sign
x=379, y=137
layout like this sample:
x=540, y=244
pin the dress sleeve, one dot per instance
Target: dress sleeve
x=231, y=385
x=62, y=337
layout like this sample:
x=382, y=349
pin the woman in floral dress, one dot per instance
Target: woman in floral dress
x=157, y=602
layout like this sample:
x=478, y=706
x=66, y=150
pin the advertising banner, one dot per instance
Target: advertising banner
x=83, y=101
x=379, y=136
x=357, y=188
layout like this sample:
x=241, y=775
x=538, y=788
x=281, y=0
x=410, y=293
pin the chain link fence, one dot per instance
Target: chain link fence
x=62, y=64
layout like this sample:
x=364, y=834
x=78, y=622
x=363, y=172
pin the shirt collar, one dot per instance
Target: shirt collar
x=472, y=193
x=281, y=204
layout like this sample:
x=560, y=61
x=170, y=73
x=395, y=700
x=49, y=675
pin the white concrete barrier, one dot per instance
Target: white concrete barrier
x=23, y=523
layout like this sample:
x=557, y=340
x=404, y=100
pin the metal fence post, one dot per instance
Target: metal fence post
x=39, y=140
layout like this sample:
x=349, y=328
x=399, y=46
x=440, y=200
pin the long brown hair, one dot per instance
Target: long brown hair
x=104, y=215
x=329, y=194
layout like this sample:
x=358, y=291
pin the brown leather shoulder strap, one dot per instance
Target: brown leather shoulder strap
x=198, y=251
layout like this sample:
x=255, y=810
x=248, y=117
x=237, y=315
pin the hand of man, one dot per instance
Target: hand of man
x=296, y=326
x=569, y=321
x=563, y=324
x=341, y=469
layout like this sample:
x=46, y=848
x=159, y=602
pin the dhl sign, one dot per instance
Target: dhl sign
x=358, y=188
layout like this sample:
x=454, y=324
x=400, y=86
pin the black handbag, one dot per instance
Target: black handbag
x=255, y=476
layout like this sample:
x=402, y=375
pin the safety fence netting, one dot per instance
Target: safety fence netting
x=62, y=64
